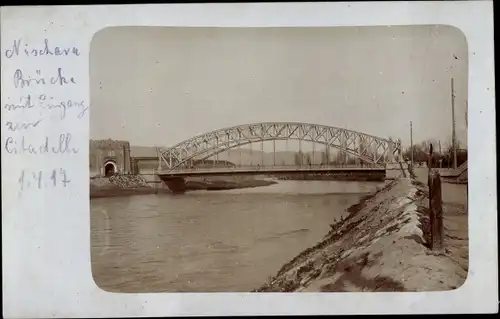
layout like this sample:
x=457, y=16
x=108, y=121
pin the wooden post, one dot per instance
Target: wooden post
x=429, y=161
x=411, y=144
x=436, y=212
x=402, y=169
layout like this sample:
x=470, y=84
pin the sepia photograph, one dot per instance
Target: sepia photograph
x=279, y=159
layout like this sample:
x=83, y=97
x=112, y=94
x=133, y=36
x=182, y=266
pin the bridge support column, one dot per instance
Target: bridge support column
x=176, y=184
x=390, y=151
x=400, y=151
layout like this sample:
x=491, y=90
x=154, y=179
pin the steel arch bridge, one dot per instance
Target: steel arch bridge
x=209, y=144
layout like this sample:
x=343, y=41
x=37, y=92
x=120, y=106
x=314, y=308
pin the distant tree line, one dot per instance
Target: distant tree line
x=302, y=159
x=339, y=157
x=441, y=157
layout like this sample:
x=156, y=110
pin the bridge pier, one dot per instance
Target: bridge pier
x=176, y=184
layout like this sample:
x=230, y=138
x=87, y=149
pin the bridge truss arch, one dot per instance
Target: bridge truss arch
x=368, y=148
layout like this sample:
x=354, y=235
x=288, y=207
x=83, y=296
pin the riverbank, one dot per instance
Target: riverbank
x=120, y=185
x=382, y=246
x=130, y=185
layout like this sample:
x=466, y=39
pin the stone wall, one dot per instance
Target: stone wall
x=144, y=165
x=102, y=151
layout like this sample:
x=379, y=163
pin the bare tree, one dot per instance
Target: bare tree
x=308, y=159
x=325, y=158
x=299, y=158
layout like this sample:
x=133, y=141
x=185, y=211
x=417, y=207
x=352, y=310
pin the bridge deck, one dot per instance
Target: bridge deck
x=266, y=170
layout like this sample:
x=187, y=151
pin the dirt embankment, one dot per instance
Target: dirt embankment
x=120, y=185
x=128, y=185
x=381, y=246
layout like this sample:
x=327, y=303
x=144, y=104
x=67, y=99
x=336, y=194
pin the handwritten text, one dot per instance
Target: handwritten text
x=21, y=80
x=33, y=93
x=62, y=145
x=19, y=47
x=43, y=179
x=49, y=103
x=19, y=126
x=24, y=103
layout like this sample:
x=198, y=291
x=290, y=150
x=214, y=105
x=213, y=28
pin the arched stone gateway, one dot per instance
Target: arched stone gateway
x=102, y=152
x=110, y=168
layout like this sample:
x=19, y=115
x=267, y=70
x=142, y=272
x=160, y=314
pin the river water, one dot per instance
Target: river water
x=224, y=241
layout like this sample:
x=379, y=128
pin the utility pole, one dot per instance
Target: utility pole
x=453, y=122
x=411, y=144
x=466, y=113
x=159, y=159
x=440, y=154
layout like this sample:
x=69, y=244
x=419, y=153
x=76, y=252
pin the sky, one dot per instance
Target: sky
x=158, y=86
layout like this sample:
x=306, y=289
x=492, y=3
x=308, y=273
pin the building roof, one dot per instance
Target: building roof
x=108, y=144
x=143, y=151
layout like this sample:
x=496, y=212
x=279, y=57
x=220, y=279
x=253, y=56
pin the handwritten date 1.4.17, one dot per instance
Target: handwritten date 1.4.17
x=43, y=179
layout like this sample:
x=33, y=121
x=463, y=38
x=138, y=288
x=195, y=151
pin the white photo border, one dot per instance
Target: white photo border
x=46, y=237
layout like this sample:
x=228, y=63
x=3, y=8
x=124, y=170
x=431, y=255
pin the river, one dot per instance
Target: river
x=224, y=241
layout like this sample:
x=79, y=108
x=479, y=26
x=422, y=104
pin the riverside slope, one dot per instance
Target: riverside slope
x=129, y=185
x=380, y=246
